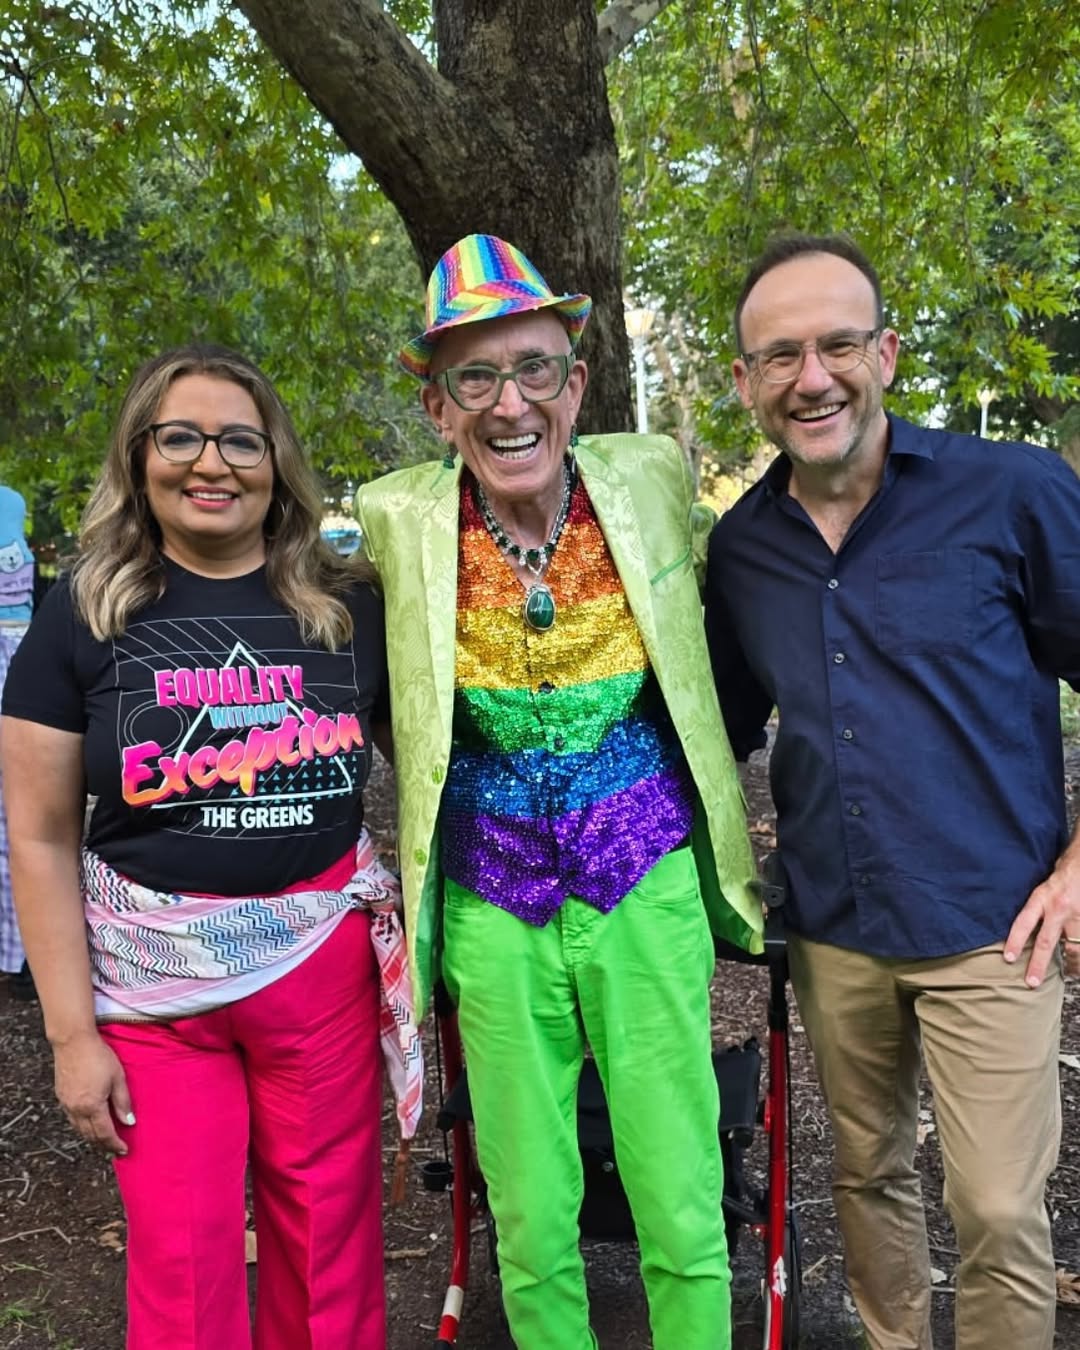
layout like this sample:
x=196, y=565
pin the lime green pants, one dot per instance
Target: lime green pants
x=634, y=984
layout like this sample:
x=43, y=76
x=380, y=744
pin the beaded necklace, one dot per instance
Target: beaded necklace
x=538, y=610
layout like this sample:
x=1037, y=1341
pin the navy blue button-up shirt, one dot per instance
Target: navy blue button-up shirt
x=917, y=770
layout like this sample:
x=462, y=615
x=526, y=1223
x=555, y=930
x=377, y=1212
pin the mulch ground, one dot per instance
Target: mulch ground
x=62, y=1232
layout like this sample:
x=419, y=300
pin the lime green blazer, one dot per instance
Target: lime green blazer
x=642, y=492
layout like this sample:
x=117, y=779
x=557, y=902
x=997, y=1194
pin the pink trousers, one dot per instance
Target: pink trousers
x=289, y=1080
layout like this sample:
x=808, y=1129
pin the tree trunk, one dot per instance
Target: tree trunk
x=512, y=135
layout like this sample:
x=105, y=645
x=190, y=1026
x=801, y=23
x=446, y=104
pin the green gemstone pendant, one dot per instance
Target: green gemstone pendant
x=539, y=608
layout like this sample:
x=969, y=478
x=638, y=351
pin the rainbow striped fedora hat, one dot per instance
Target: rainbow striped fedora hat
x=482, y=277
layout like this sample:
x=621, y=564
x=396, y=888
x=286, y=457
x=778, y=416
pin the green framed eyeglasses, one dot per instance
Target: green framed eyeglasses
x=478, y=387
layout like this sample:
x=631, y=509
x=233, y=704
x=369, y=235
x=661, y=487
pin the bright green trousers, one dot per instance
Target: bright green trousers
x=634, y=985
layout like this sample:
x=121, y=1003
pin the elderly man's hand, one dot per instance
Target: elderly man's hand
x=1053, y=909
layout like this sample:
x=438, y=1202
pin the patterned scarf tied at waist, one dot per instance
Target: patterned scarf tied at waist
x=158, y=955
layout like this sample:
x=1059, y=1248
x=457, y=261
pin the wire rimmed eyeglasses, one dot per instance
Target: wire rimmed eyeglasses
x=477, y=387
x=838, y=352
x=183, y=443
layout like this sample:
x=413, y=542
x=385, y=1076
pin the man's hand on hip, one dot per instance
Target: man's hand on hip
x=1052, y=914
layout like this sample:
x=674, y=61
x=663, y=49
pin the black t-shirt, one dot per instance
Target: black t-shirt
x=227, y=756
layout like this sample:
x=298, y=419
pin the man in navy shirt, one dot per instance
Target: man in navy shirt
x=908, y=600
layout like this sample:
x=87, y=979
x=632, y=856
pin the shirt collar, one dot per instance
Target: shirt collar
x=904, y=439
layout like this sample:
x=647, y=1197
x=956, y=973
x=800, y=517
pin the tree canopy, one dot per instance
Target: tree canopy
x=166, y=181
x=185, y=171
x=942, y=137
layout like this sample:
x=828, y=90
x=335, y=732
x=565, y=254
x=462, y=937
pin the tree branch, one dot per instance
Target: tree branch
x=622, y=21
x=382, y=96
x=72, y=234
x=511, y=135
x=1046, y=408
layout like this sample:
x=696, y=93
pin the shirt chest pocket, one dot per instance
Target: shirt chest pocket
x=925, y=601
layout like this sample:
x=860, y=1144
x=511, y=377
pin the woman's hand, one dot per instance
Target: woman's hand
x=46, y=802
x=92, y=1089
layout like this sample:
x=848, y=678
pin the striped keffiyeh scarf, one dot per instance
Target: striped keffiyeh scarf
x=158, y=955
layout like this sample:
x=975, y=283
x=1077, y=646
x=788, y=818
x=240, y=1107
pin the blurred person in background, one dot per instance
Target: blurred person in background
x=17, y=587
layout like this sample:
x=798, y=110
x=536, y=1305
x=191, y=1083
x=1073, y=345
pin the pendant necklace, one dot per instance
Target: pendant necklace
x=538, y=610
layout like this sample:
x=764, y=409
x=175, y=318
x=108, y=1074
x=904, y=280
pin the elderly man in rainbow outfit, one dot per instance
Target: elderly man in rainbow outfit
x=571, y=824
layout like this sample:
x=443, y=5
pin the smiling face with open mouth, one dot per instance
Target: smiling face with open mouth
x=515, y=449
x=211, y=515
x=820, y=418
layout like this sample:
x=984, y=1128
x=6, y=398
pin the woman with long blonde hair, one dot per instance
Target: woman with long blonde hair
x=209, y=960
x=120, y=563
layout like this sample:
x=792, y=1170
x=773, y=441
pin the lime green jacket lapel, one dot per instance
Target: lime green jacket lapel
x=613, y=501
x=643, y=495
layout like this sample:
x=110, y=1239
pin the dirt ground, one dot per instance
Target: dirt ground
x=62, y=1232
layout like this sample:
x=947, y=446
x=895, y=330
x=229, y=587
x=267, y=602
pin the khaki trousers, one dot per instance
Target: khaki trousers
x=991, y=1050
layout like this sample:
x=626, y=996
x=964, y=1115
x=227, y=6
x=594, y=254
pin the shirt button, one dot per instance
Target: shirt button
x=847, y=734
x=833, y=583
x=560, y=742
x=436, y=775
x=546, y=688
x=864, y=878
x=839, y=659
x=855, y=810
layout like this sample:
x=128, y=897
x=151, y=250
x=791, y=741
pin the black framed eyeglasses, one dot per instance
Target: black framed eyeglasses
x=183, y=443
x=838, y=352
x=477, y=388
